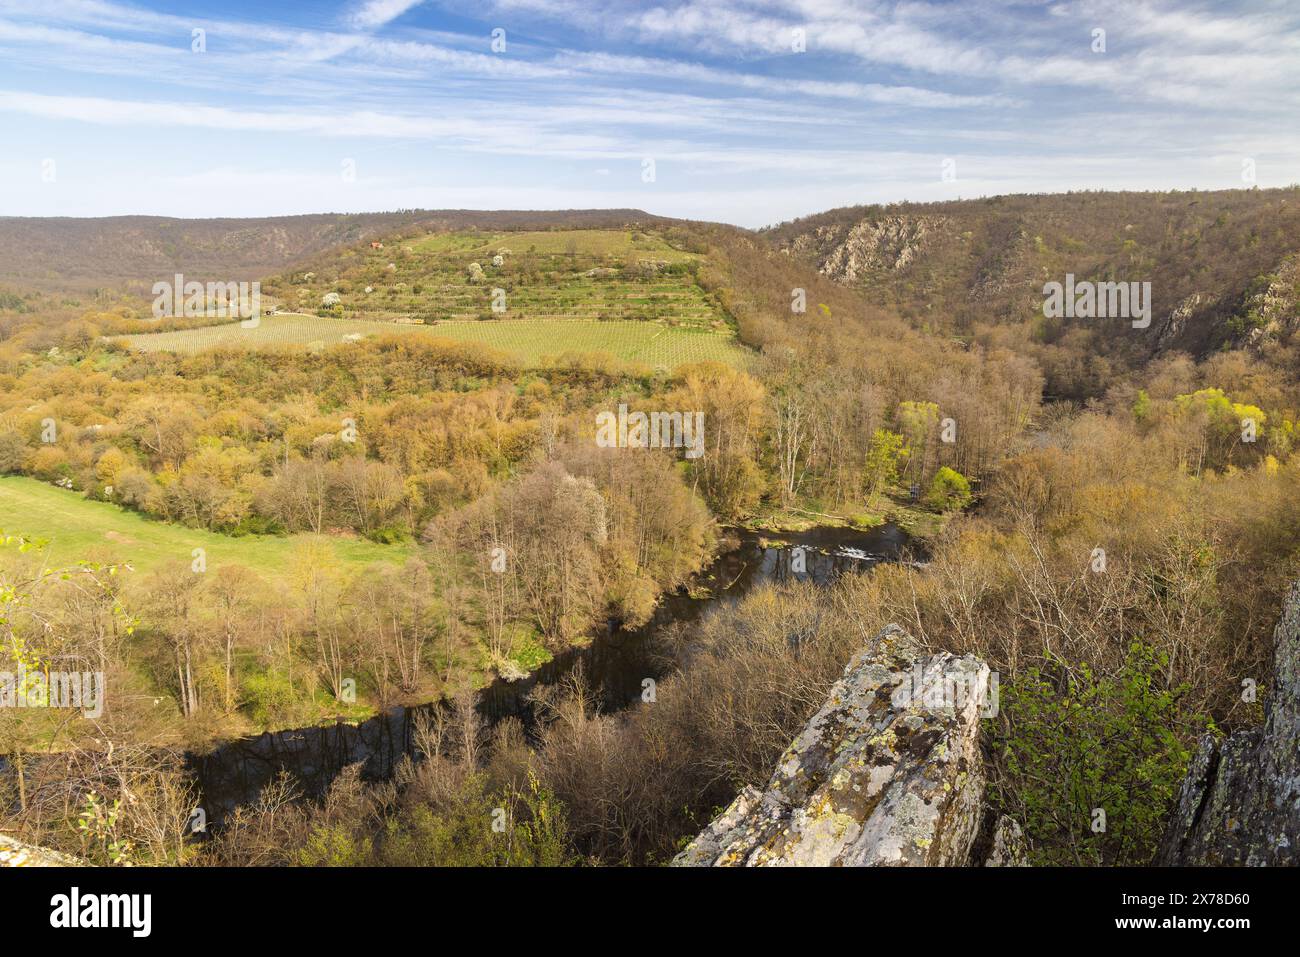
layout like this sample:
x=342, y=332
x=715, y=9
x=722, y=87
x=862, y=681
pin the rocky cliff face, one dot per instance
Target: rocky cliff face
x=1240, y=802
x=1274, y=311
x=888, y=772
x=1170, y=329
x=849, y=253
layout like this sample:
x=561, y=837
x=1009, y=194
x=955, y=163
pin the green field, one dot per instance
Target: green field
x=77, y=528
x=529, y=341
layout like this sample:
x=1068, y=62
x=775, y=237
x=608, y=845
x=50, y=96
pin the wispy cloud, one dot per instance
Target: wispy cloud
x=376, y=13
x=793, y=99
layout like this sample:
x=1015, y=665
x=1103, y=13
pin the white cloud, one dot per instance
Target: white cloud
x=738, y=122
x=377, y=13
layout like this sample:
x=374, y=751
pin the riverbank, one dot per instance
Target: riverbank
x=917, y=521
x=616, y=664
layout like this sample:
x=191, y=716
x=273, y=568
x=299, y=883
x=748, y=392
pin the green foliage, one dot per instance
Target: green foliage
x=949, y=490
x=391, y=534
x=478, y=828
x=269, y=698
x=918, y=420
x=883, y=458
x=1220, y=409
x=1142, y=406
x=1074, y=742
x=101, y=831
x=336, y=845
x=1281, y=438
x=256, y=525
x=1222, y=423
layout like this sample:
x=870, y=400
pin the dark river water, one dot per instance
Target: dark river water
x=614, y=665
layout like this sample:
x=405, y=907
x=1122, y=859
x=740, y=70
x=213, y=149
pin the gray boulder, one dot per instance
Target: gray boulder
x=888, y=772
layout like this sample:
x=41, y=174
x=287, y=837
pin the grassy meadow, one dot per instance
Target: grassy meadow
x=72, y=527
x=530, y=341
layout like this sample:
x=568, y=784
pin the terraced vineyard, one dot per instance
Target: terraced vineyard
x=564, y=274
x=532, y=295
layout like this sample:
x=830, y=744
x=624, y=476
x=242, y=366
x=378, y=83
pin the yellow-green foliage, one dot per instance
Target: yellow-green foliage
x=949, y=490
x=1220, y=409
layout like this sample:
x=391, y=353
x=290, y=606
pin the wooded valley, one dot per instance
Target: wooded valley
x=255, y=534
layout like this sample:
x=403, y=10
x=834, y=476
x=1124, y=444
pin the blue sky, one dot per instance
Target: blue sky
x=752, y=111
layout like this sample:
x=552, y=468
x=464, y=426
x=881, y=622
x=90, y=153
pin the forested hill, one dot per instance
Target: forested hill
x=78, y=255
x=1222, y=265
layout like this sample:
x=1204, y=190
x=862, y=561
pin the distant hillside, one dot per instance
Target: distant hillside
x=645, y=294
x=547, y=274
x=79, y=255
x=1222, y=265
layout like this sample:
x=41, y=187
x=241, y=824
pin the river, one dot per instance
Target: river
x=615, y=664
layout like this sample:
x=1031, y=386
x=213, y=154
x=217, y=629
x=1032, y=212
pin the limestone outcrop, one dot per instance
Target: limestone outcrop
x=1170, y=329
x=1274, y=310
x=850, y=253
x=888, y=772
x=1240, y=801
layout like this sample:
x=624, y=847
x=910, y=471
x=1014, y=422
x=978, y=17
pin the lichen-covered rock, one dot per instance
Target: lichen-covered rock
x=1007, y=848
x=1240, y=801
x=16, y=853
x=888, y=772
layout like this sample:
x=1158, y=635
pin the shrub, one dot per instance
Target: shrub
x=269, y=697
x=13, y=452
x=1076, y=746
x=478, y=828
x=49, y=463
x=949, y=490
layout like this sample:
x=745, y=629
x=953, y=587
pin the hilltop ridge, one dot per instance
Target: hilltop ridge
x=84, y=253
